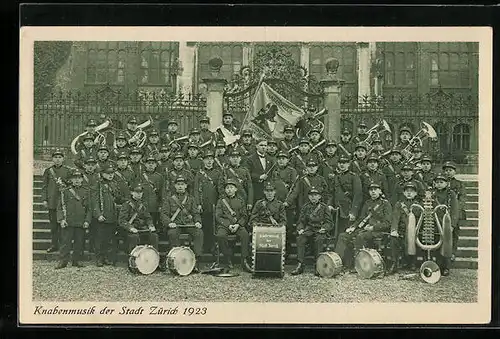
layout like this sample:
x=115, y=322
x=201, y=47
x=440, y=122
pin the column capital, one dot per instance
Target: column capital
x=331, y=84
x=362, y=44
x=215, y=84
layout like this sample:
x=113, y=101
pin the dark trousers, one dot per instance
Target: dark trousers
x=208, y=231
x=72, y=237
x=55, y=228
x=455, y=237
x=398, y=250
x=291, y=235
x=105, y=244
x=156, y=219
x=196, y=233
x=344, y=223
x=365, y=239
x=91, y=235
x=302, y=239
x=222, y=239
x=345, y=248
x=149, y=238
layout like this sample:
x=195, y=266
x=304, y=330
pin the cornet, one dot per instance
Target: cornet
x=100, y=139
x=140, y=137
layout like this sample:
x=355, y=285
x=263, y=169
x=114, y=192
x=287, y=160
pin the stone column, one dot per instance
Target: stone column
x=132, y=66
x=186, y=58
x=215, y=93
x=304, y=62
x=364, y=65
x=247, y=59
x=332, y=90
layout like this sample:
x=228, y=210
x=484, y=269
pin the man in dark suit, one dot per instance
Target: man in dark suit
x=259, y=165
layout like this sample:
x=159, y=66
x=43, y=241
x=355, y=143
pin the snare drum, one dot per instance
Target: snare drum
x=268, y=249
x=143, y=259
x=328, y=264
x=369, y=264
x=181, y=260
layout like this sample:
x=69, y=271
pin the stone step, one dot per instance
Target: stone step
x=469, y=263
x=472, y=197
x=469, y=231
x=37, y=198
x=40, y=214
x=467, y=241
x=472, y=213
x=472, y=205
x=467, y=252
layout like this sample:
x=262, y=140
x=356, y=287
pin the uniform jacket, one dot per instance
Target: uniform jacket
x=347, y=193
x=53, y=179
x=397, y=193
x=380, y=218
x=391, y=171
x=206, y=135
x=137, y=168
x=377, y=177
x=299, y=160
x=458, y=187
x=103, y=164
x=116, y=151
x=265, y=209
x=304, y=185
x=171, y=175
x=137, y=208
x=328, y=165
x=449, y=198
x=255, y=168
x=348, y=146
x=358, y=166
x=125, y=175
x=206, y=188
x=152, y=149
x=400, y=214
x=152, y=183
x=84, y=153
x=74, y=206
x=314, y=217
x=193, y=164
x=188, y=210
x=221, y=162
x=283, y=179
x=359, y=138
x=243, y=179
x=105, y=199
x=286, y=145
x=224, y=217
x=426, y=178
x=245, y=149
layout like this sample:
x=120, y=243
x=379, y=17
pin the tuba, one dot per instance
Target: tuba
x=140, y=137
x=426, y=131
x=375, y=132
x=429, y=234
x=314, y=121
x=100, y=139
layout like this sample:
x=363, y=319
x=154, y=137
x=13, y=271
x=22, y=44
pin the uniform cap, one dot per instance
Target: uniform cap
x=313, y=190
x=90, y=159
x=247, y=132
x=372, y=158
x=57, y=151
x=204, y=119
x=410, y=185
x=304, y=141
x=172, y=122
x=417, y=149
x=289, y=128
x=135, y=151
x=193, y=146
x=91, y=123
x=103, y=148
x=311, y=163
x=221, y=144
x=269, y=187
x=137, y=188
x=395, y=150
x=345, y=131
x=132, y=120
x=121, y=136
x=231, y=182
x=150, y=158
x=407, y=167
x=194, y=131
x=272, y=142
x=376, y=141
x=344, y=159
x=208, y=153
x=374, y=185
x=76, y=173
x=362, y=124
x=235, y=153
x=164, y=148
x=361, y=145
x=88, y=136
x=426, y=158
x=405, y=129
x=331, y=144
x=109, y=169
x=122, y=155
x=178, y=155
x=449, y=164
x=282, y=154
x=228, y=114
x=440, y=176
x=314, y=130
x=154, y=132
x=180, y=178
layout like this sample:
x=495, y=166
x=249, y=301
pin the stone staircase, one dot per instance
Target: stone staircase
x=467, y=248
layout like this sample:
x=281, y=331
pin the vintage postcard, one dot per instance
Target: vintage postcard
x=255, y=175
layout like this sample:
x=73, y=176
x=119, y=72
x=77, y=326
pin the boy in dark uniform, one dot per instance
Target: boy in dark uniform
x=246, y=146
x=103, y=160
x=347, y=193
x=153, y=143
x=106, y=197
x=404, y=137
x=180, y=208
x=392, y=168
x=303, y=156
x=450, y=170
x=269, y=210
x=361, y=135
x=205, y=134
x=88, y=150
x=358, y=164
x=444, y=195
x=241, y=177
x=193, y=161
x=228, y=123
x=90, y=179
x=272, y=149
x=378, y=150
x=405, y=177
x=306, y=182
x=317, y=142
x=90, y=129
x=288, y=141
x=131, y=130
x=346, y=146
x=163, y=160
x=231, y=217
x=172, y=132
x=152, y=184
x=194, y=139
x=399, y=226
x=74, y=213
x=121, y=145
x=315, y=220
x=135, y=162
x=135, y=219
x=329, y=163
x=220, y=155
x=177, y=169
x=426, y=175
x=206, y=196
x=373, y=174
x=54, y=179
x=124, y=172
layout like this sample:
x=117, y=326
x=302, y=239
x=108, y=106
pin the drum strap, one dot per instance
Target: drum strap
x=206, y=176
x=132, y=219
x=301, y=160
x=188, y=165
x=233, y=172
x=218, y=163
x=54, y=176
x=231, y=211
x=77, y=197
x=306, y=179
x=120, y=175
x=149, y=181
x=316, y=210
x=178, y=210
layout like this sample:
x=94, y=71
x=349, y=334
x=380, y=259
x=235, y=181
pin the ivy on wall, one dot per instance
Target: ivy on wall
x=49, y=57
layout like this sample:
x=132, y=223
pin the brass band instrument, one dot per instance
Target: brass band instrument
x=429, y=233
x=375, y=132
x=316, y=118
x=100, y=139
x=140, y=137
x=426, y=131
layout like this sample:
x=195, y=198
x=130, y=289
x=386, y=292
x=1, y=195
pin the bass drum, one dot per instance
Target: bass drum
x=268, y=249
x=328, y=264
x=181, y=261
x=369, y=264
x=143, y=259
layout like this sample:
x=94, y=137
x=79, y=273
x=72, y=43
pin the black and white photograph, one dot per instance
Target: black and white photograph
x=320, y=168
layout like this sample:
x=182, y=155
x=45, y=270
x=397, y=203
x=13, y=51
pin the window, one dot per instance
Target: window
x=157, y=59
x=345, y=53
x=449, y=64
x=461, y=137
x=230, y=53
x=106, y=63
x=400, y=63
x=442, y=136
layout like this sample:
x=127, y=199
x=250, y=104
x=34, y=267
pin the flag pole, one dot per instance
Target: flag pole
x=261, y=80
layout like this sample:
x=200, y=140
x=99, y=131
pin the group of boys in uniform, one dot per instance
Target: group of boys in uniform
x=350, y=191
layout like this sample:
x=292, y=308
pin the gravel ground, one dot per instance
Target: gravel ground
x=108, y=283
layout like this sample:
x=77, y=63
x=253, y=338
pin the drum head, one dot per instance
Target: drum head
x=147, y=260
x=184, y=261
x=430, y=272
x=368, y=263
x=328, y=264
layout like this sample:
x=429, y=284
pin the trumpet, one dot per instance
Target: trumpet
x=100, y=139
x=426, y=131
x=140, y=137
